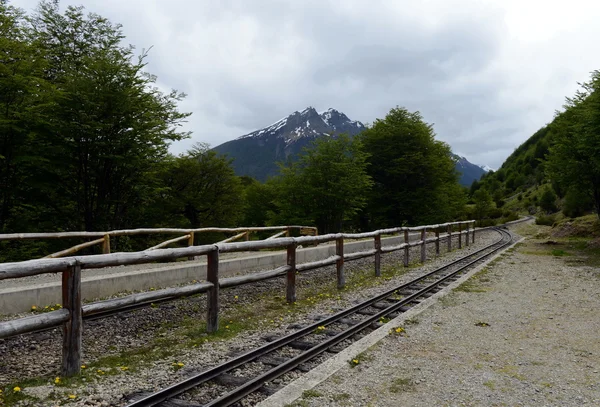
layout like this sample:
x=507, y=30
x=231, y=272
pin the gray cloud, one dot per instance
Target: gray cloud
x=488, y=74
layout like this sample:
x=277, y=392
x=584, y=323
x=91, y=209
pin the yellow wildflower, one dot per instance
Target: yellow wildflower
x=226, y=326
x=83, y=366
x=33, y=307
x=180, y=364
x=57, y=380
x=72, y=396
x=17, y=389
x=235, y=298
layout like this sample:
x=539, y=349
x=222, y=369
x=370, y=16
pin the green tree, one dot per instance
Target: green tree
x=326, y=186
x=574, y=158
x=200, y=189
x=23, y=95
x=110, y=126
x=548, y=200
x=414, y=175
x=483, y=204
x=258, y=203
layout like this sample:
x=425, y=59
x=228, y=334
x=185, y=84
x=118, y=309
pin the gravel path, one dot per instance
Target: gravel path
x=32, y=360
x=524, y=333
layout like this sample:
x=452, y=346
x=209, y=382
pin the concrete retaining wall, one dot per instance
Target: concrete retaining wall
x=20, y=299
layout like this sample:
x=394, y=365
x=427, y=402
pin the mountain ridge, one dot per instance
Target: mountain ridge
x=256, y=154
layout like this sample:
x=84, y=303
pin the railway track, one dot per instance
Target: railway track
x=255, y=370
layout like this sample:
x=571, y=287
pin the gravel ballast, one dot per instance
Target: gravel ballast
x=522, y=333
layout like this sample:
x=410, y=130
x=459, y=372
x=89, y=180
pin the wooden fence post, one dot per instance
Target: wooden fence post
x=437, y=241
x=212, y=276
x=290, y=284
x=71, y=297
x=473, y=234
x=106, y=245
x=247, y=235
x=449, y=238
x=406, y=249
x=287, y=231
x=467, y=239
x=339, y=264
x=423, y=245
x=460, y=235
x=191, y=243
x=377, y=244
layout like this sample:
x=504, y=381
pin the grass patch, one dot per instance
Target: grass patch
x=341, y=397
x=511, y=371
x=308, y=394
x=402, y=385
x=475, y=284
x=490, y=384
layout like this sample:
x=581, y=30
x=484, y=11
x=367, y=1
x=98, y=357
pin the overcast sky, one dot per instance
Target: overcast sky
x=487, y=73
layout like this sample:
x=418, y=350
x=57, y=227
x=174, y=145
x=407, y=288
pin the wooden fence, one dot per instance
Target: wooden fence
x=70, y=316
x=188, y=235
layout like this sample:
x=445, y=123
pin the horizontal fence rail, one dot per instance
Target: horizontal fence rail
x=188, y=235
x=70, y=317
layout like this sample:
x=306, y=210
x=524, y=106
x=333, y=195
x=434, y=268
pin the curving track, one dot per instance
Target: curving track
x=287, y=353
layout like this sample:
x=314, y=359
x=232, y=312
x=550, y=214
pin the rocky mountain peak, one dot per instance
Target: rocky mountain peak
x=308, y=123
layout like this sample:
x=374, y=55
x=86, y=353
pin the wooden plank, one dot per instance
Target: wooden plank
x=467, y=236
x=170, y=241
x=275, y=236
x=139, y=298
x=423, y=245
x=191, y=244
x=473, y=234
x=140, y=231
x=255, y=245
x=389, y=249
x=232, y=238
x=308, y=231
x=449, y=238
x=253, y=277
x=377, y=246
x=460, y=235
x=437, y=241
x=339, y=265
x=73, y=249
x=406, y=248
x=303, y=240
x=33, y=323
x=290, y=282
x=106, y=244
x=121, y=259
x=212, y=276
x=316, y=264
x=359, y=255
x=72, y=329
x=35, y=267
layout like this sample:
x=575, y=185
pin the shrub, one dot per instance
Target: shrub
x=510, y=217
x=576, y=203
x=547, y=220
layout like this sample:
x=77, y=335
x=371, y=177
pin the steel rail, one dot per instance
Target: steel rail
x=254, y=384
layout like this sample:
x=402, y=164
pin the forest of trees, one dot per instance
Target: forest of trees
x=558, y=168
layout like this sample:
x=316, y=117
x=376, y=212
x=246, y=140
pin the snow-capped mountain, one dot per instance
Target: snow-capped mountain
x=486, y=168
x=469, y=172
x=256, y=154
x=308, y=123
